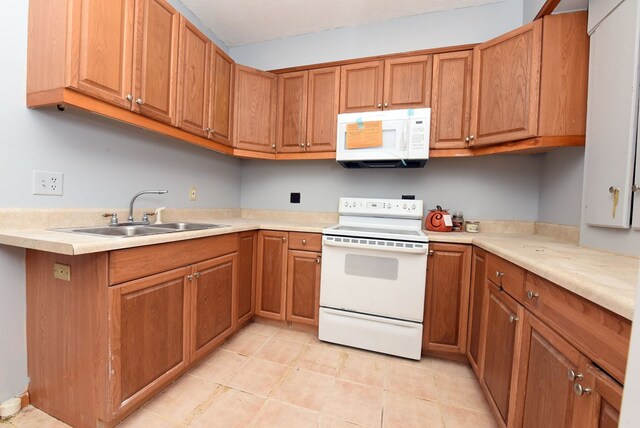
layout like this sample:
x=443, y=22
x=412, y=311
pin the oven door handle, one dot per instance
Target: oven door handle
x=389, y=249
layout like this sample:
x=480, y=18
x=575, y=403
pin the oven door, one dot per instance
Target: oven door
x=374, y=276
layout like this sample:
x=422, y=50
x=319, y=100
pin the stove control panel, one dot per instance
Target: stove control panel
x=400, y=208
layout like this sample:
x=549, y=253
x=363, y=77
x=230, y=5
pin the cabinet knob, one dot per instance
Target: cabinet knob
x=308, y=144
x=139, y=101
x=499, y=274
x=580, y=390
x=301, y=144
x=635, y=188
x=532, y=295
x=273, y=146
x=471, y=137
x=304, y=242
x=284, y=239
x=513, y=318
x=197, y=274
x=129, y=97
x=431, y=252
x=207, y=130
x=386, y=105
x=318, y=260
x=571, y=375
x=379, y=105
x=190, y=277
x=467, y=139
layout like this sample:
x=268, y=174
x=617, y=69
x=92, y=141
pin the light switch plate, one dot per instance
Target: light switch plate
x=47, y=183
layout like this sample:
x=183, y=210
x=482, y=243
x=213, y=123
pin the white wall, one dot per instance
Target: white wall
x=455, y=27
x=104, y=163
x=209, y=32
x=492, y=187
x=561, y=186
x=530, y=9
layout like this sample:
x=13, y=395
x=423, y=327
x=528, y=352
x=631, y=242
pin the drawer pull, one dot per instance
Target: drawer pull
x=513, y=318
x=571, y=375
x=190, y=277
x=532, y=295
x=197, y=274
x=499, y=274
x=304, y=242
x=580, y=390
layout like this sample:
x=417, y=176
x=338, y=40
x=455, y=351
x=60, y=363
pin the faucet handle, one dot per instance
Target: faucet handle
x=145, y=216
x=114, y=218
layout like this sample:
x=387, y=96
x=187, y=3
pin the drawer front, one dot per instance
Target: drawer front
x=506, y=275
x=305, y=241
x=598, y=333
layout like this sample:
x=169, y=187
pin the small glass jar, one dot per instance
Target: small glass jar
x=458, y=221
x=472, y=226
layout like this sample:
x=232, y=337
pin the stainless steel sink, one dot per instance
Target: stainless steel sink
x=188, y=226
x=126, y=230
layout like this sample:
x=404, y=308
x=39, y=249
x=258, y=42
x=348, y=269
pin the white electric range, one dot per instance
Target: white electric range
x=374, y=264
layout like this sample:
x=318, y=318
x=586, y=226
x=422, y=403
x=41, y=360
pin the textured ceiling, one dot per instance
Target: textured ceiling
x=241, y=22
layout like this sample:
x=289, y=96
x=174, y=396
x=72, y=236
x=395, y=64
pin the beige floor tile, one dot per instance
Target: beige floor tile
x=305, y=389
x=280, y=351
x=180, y=401
x=219, y=366
x=331, y=422
x=261, y=328
x=360, y=404
x=412, y=380
x=276, y=414
x=229, y=408
x=296, y=336
x=30, y=417
x=361, y=369
x=321, y=359
x=451, y=368
x=455, y=417
x=461, y=392
x=146, y=419
x=257, y=376
x=245, y=343
x=405, y=411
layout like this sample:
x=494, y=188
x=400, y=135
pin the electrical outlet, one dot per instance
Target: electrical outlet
x=47, y=183
x=193, y=193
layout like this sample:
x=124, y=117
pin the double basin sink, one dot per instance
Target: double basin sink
x=126, y=230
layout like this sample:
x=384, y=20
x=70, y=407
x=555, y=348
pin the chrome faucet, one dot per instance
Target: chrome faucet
x=145, y=220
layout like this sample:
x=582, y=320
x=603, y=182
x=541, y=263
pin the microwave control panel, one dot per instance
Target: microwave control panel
x=400, y=208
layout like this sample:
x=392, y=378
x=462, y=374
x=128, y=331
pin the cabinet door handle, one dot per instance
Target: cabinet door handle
x=129, y=97
x=304, y=242
x=532, y=295
x=499, y=274
x=431, y=252
x=308, y=144
x=273, y=146
x=197, y=274
x=190, y=277
x=386, y=105
x=467, y=139
x=284, y=239
x=580, y=390
x=471, y=137
x=301, y=144
x=571, y=375
x=318, y=260
x=513, y=318
x=139, y=101
x=207, y=130
x=379, y=105
x=635, y=188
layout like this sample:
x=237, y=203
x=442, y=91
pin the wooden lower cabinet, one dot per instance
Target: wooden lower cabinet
x=247, y=252
x=500, y=336
x=447, y=298
x=606, y=399
x=149, y=327
x=476, y=299
x=271, y=298
x=213, y=307
x=303, y=287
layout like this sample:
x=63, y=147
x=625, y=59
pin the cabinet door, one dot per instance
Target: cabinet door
x=606, y=399
x=271, y=296
x=323, y=106
x=102, y=51
x=407, y=82
x=156, y=60
x=506, y=86
x=501, y=331
x=247, y=253
x=148, y=335
x=361, y=86
x=478, y=275
x=292, y=111
x=255, y=109
x=193, y=79
x=451, y=100
x=545, y=396
x=221, y=97
x=612, y=114
x=303, y=287
x=212, y=303
x=447, y=298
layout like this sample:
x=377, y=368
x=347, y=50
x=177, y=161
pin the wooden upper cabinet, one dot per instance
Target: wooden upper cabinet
x=156, y=60
x=193, y=79
x=292, y=111
x=451, y=100
x=212, y=303
x=407, y=82
x=255, y=109
x=476, y=299
x=545, y=395
x=303, y=287
x=271, y=296
x=447, y=298
x=506, y=86
x=221, y=97
x=102, y=49
x=361, y=86
x=323, y=106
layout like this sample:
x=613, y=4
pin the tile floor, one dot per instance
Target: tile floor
x=272, y=376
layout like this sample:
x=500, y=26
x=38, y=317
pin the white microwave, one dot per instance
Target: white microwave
x=384, y=139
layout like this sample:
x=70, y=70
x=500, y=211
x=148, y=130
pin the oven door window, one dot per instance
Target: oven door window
x=371, y=266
